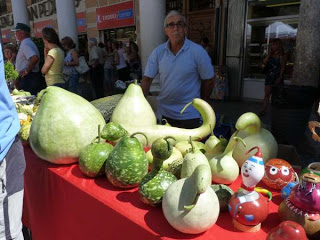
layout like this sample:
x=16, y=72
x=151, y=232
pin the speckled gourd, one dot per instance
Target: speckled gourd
x=127, y=163
x=156, y=182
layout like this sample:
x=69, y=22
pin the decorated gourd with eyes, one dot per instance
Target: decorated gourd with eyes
x=247, y=207
x=278, y=173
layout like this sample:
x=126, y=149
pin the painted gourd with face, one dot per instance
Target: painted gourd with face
x=252, y=170
x=248, y=207
x=278, y=173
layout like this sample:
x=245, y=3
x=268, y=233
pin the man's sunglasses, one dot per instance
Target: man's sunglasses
x=178, y=25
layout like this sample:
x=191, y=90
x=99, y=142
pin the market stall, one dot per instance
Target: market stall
x=61, y=203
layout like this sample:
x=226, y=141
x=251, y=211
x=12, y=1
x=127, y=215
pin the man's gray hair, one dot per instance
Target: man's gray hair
x=174, y=13
x=93, y=40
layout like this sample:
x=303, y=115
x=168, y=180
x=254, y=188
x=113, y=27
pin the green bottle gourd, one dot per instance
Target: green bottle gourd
x=93, y=157
x=127, y=163
x=156, y=182
x=224, y=168
x=190, y=205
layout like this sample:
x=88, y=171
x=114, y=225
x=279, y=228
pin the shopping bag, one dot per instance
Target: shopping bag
x=83, y=66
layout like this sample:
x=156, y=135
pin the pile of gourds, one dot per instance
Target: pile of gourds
x=182, y=169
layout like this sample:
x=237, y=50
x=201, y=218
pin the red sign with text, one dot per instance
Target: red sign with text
x=6, y=35
x=115, y=16
x=81, y=22
x=38, y=26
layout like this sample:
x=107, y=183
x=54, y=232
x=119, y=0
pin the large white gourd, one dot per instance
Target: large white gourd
x=190, y=205
x=250, y=130
x=134, y=109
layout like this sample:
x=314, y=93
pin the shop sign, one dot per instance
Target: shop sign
x=81, y=22
x=39, y=11
x=115, y=16
x=38, y=26
x=6, y=35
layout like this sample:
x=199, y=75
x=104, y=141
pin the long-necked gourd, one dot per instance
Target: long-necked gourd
x=224, y=168
x=189, y=204
x=135, y=114
x=153, y=132
x=249, y=129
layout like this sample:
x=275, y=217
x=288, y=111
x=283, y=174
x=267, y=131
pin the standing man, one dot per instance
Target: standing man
x=181, y=65
x=12, y=165
x=96, y=62
x=27, y=62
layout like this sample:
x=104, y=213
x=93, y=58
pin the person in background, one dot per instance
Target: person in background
x=27, y=61
x=122, y=69
x=134, y=61
x=181, y=65
x=54, y=58
x=96, y=61
x=12, y=165
x=112, y=60
x=274, y=66
x=70, y=61
x=10, y=53
x=204, y=42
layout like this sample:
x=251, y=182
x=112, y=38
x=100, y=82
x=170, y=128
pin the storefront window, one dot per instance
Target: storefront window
x=121, y=34
x=201, y=4
x=3, y=7
x=279, y=19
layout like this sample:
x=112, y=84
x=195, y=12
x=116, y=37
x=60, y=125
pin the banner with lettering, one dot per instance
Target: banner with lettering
x=38, y=26
x=115, y=16
x=81, y=22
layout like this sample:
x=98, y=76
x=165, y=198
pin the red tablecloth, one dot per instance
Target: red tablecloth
x=60, y=203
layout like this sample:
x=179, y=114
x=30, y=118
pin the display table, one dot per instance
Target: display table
x=60, y=203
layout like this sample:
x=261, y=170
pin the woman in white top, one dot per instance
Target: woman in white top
x=70, y=61
x=122, y=69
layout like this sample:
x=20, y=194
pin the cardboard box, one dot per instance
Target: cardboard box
x=289, y=153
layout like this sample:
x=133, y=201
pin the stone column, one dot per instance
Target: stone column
x=152, y=14
x=67, y=20
x=307, y=61
x=20, y=12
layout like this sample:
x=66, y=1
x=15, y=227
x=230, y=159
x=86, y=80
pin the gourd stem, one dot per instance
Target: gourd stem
x=136, y=81
x=99, y=133
x=133, y=134
x=189, y=207
x=211, y=129
x=185, y=107
x=169, y=137
x=191, y=143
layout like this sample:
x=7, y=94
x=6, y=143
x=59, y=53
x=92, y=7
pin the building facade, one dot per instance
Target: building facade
x=239, y=32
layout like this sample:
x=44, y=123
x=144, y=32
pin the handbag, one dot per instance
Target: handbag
x=67, y=71
x=83, y=66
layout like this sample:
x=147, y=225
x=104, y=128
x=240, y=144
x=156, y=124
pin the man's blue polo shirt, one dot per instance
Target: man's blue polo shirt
x=9, y=121
x=180, y=77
